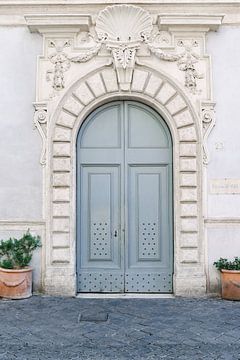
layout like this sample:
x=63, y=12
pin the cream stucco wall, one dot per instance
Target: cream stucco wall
x=224, y=146
x=20, y=145
x=21, y=173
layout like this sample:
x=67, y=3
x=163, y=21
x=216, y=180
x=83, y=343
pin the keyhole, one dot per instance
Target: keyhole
x=115, y=233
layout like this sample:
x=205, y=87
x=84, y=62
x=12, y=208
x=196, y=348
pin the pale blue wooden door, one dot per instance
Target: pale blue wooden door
x=124, y=203
x=148, y=199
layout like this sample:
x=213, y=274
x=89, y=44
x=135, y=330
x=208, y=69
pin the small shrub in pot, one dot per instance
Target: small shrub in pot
x=230, y=277
x=15, y=273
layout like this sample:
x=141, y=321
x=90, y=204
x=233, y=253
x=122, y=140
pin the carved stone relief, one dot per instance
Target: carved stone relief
x=208, y=122
x=40, y=122
x=115, y=31
x=128, y=35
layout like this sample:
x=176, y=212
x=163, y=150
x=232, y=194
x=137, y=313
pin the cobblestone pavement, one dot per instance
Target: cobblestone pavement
x=141, y=329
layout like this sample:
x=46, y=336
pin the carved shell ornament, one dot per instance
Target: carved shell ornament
x=123, y=23
x=122, y=28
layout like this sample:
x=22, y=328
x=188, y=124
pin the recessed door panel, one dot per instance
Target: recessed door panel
x=101, y=201
x=145, y=192
x=100, y=251
x=124, y=203
x=148, y=249
x=145, y=129
x=105, y=129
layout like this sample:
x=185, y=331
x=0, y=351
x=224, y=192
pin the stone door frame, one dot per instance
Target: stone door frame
x=161, y=62
x=162, y=94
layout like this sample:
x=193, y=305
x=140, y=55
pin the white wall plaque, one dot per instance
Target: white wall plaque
x=225, y=186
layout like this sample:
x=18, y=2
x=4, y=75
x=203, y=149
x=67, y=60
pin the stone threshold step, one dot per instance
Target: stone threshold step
x=123, y=296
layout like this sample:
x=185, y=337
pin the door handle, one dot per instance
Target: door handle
x=115, y=233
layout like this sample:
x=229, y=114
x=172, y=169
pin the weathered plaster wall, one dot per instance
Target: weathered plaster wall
x=20, y=145
x=224, y=146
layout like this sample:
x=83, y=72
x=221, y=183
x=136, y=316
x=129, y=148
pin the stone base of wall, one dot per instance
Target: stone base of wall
x=59, y=282
x=192, y=286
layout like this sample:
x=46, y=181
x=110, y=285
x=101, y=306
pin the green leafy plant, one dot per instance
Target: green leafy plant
x=17, y=253
x=227, y=264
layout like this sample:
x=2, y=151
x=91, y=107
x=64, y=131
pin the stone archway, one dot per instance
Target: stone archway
x=150, y=87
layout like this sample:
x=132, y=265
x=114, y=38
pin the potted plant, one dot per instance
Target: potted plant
x=230, y=277
x=15, y=272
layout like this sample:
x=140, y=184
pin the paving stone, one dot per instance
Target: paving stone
x=44, y=327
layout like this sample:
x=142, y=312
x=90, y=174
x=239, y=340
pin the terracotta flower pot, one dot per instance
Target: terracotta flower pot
x=16, y=284
x=230, y=284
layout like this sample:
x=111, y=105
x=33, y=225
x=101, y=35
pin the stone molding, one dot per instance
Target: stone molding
x=57, y=23
x=166, y=68
x=12, y=11
x=202, y=22
x=220, y=221
x=141, y=2
x=21, y=224
x=85, y=95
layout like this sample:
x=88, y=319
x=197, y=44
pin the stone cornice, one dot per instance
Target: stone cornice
x=45, y=23
x=138, y=2
x=48, y=23
x=12, y=12
x=197, y=21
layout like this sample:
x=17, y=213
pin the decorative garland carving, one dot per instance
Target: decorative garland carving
x=122, y=29
x=87, y=55
x=127, y=32
x=208, y=122
x=186, y=61
x=60, y=61
x=40, y=122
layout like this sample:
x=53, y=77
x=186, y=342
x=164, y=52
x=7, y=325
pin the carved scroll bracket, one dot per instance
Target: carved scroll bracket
x=40, y=122
x=208, y=122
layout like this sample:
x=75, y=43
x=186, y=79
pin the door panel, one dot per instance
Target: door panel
x=105, y=130
x=101, y=201
x=145, y=194
x=124, y=222
x=100, y=245
x=149, y=257
x=144, y=128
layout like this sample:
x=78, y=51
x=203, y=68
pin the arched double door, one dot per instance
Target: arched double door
x=124, y=201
